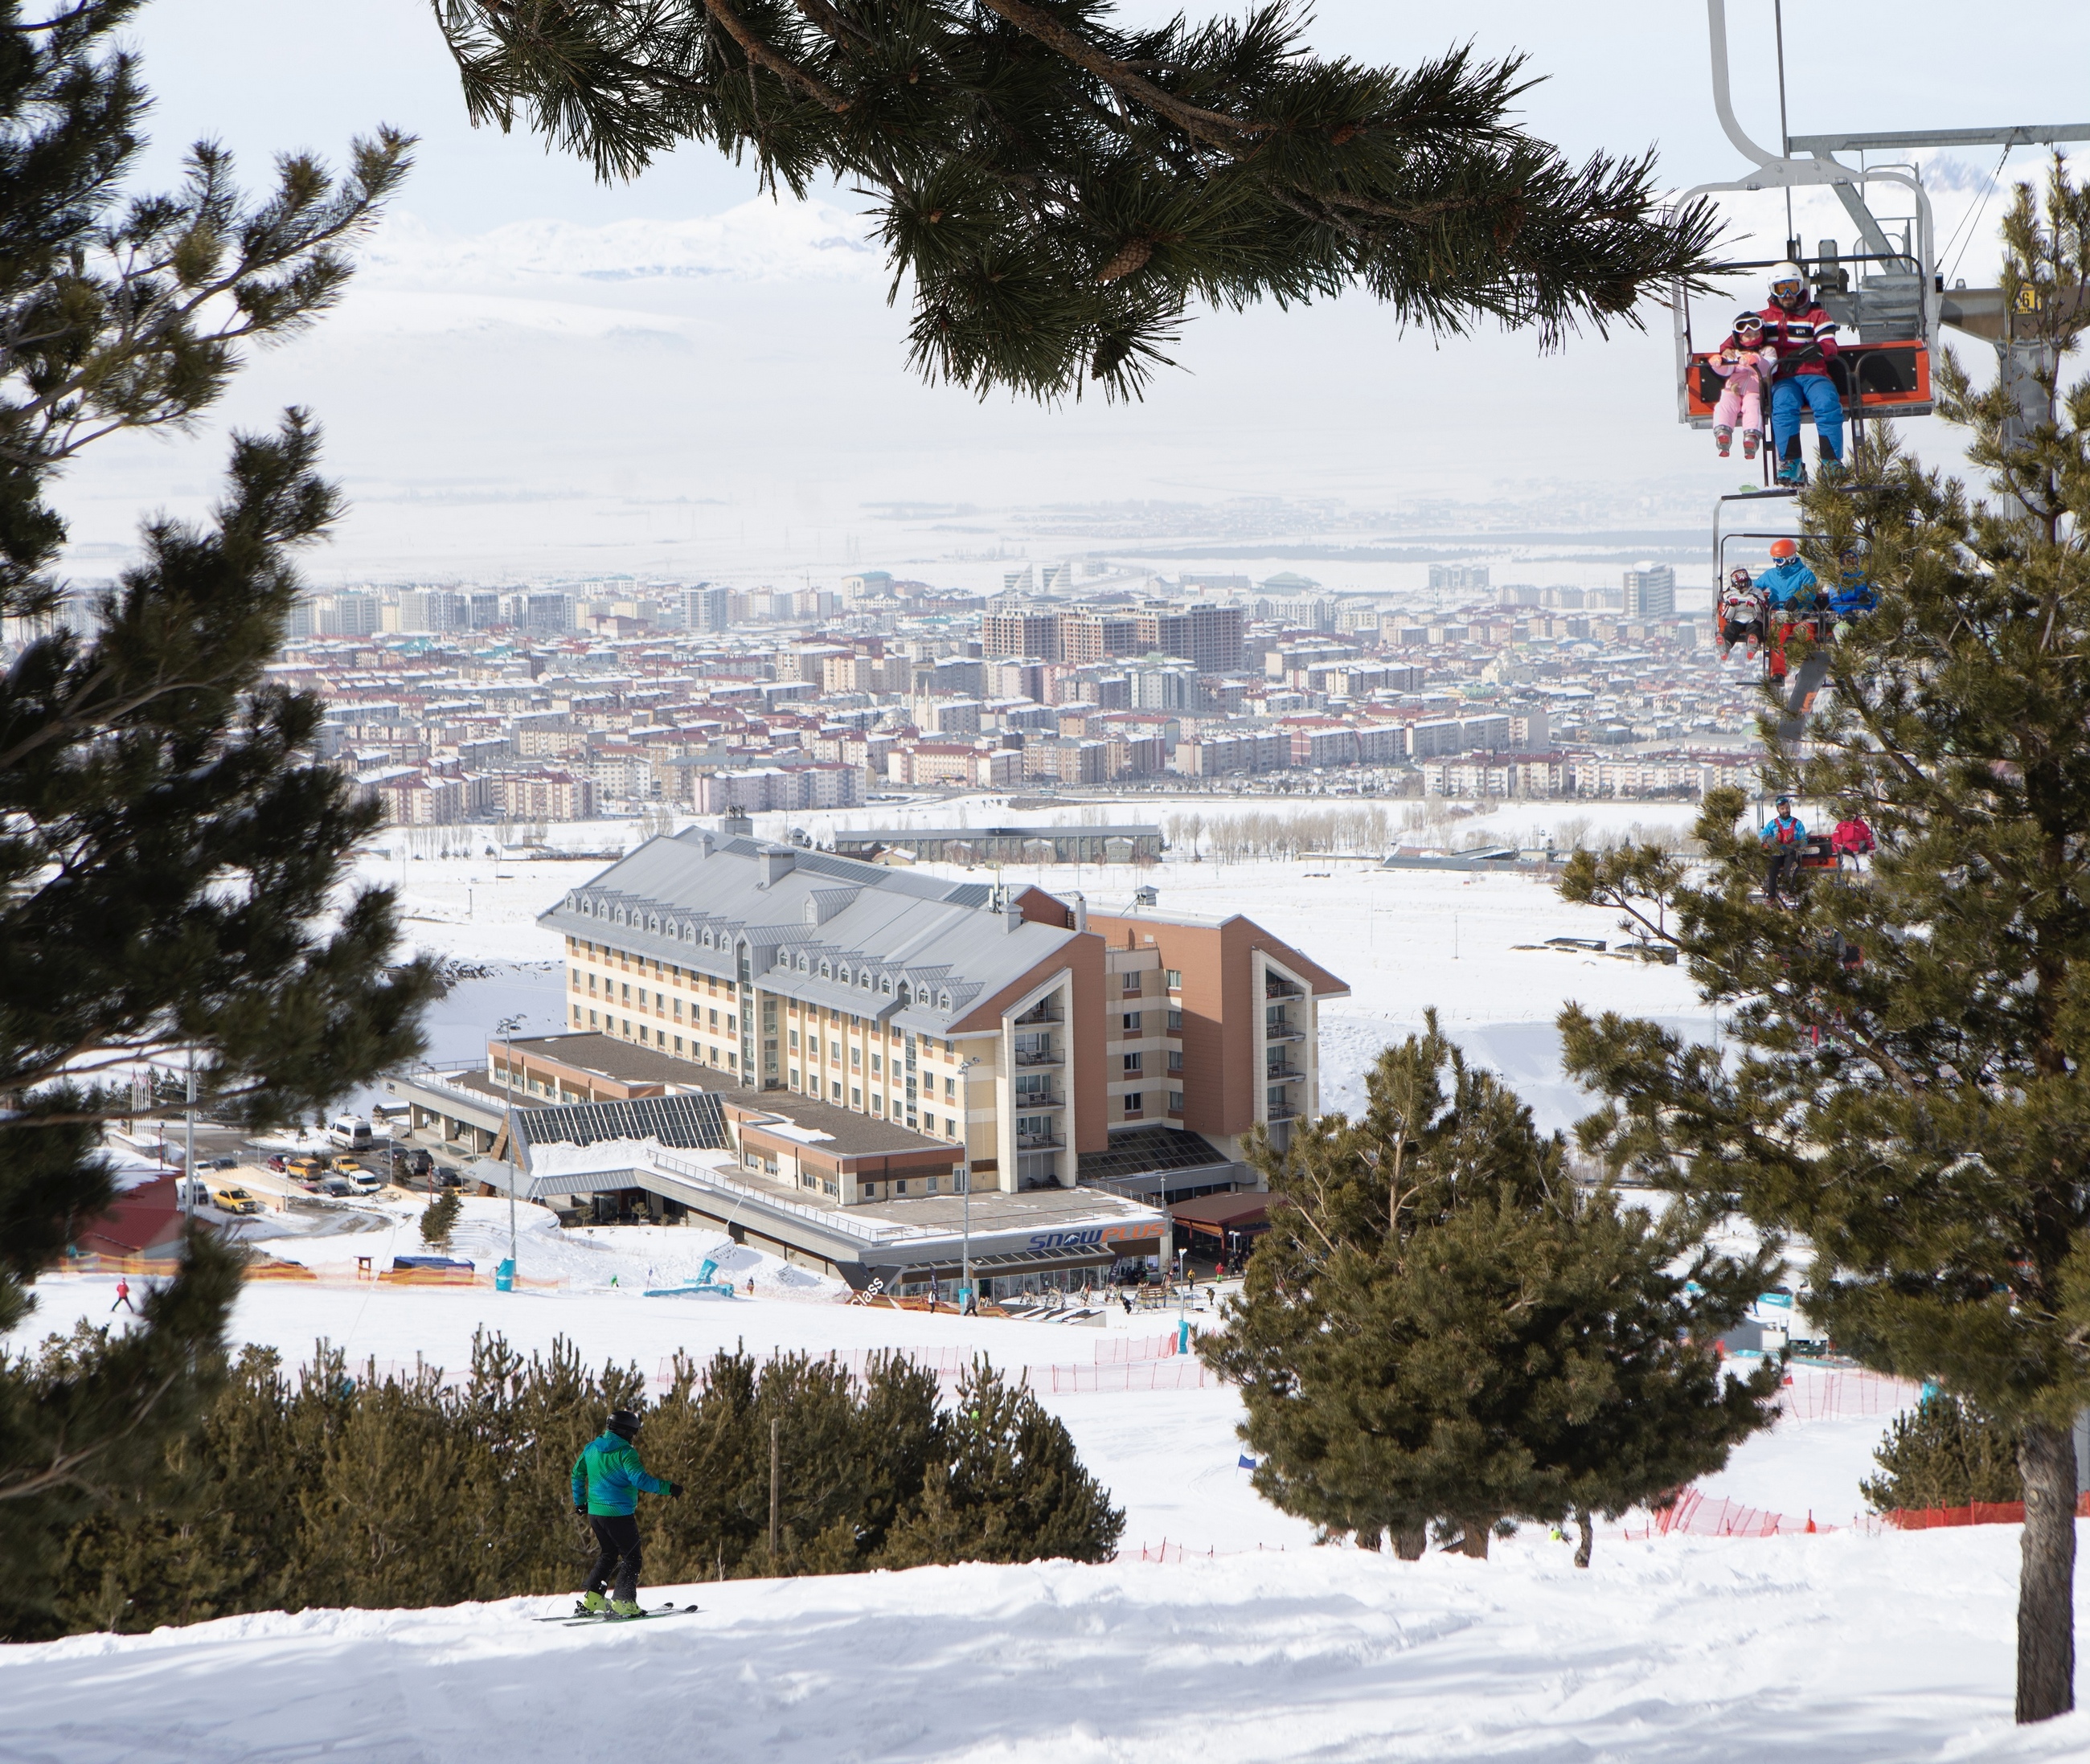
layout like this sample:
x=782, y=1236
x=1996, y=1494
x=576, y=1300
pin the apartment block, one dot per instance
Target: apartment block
x=1214, y=1025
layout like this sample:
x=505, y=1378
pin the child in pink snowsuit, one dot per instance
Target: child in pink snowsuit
x=1746, y=366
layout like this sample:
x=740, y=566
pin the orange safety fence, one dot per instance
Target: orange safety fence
x=1831, y=1396
x=950, y=1364
x=1977, y=1513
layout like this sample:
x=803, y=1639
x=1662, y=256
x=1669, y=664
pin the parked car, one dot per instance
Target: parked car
x=305, y=1168
x=339, y=1187
x=276, y=1161
x=350, y=1130
x=447, y=1178
x=366, y=1181
x=418, y=1162
x=219, y=1163
x=235, y=1200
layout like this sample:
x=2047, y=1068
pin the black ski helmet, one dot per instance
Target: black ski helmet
x=622, y=1422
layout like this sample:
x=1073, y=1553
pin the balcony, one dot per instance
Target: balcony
x=1040, y=1099
x=1286, y=1113
x=1047, y=1012
x=1038, y=1142
x=1275, y=988
x=1281, y=1073
x=1282, y=1032
x=1047, y=1055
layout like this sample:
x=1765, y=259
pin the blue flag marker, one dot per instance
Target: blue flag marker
x=1246, y=1462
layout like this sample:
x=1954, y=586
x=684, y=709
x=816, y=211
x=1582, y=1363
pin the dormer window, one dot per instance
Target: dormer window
x=843, y=974
x=885, y=985
x=943, y=1001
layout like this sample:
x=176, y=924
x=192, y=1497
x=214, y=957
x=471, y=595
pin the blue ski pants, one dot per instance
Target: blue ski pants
x=1817, y=390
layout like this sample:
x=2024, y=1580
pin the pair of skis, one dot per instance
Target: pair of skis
x=578, y=1615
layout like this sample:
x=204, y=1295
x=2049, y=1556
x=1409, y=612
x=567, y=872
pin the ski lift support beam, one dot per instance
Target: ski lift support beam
x=2025, y=135
x=1780, y=171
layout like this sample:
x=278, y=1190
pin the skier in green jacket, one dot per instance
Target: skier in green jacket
x=608, y=1481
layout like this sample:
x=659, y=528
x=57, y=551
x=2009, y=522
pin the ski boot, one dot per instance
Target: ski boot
x=1723, y=438
x=1792, y=473
x=627, y=1608
x=1752, y=439
x=594, y=1604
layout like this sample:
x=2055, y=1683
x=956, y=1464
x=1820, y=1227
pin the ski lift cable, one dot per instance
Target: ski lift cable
x=1972, y=220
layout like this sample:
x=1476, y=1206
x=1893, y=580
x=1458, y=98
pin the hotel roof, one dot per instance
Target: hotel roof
x=913, y=951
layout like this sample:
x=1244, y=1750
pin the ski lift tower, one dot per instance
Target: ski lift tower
x=1897, y=300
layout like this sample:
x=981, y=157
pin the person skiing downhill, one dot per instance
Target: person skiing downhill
x=608, y=1481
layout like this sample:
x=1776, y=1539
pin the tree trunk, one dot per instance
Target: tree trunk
x=2046, y=1578
x=1409, y=1543
x=1588, y=1543
x=1369, y=1539
x=1475, y=1543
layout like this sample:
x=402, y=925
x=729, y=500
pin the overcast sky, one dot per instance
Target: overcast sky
x=537, y=372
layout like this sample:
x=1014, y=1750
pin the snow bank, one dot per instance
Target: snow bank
x=1824, y=1648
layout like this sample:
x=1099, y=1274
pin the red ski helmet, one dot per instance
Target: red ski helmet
x=1784, y=548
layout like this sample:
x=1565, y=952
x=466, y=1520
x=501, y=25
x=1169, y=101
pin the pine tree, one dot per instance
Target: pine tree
x=439, y=1219
x=1944, y=1453
x=170, y=859
x=1439, y=1330
x=1920, y=1113
x=1060, y=185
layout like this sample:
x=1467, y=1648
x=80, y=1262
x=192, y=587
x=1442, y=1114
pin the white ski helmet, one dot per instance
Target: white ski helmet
x=1787, y=278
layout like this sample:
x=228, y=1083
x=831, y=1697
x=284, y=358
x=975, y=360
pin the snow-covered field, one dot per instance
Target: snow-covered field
x=1222, y=1632
x=1404, y=940
x=1839, y=1648
x=1237, y=1638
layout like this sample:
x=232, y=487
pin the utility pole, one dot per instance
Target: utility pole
x=188, y=1154
x=772, y=1492
x=505, y=1029
x=963, y=1176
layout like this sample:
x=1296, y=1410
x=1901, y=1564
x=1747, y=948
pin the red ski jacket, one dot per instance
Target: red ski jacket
x=1789, y=333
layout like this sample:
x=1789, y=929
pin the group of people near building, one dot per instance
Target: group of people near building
x=1765, y=610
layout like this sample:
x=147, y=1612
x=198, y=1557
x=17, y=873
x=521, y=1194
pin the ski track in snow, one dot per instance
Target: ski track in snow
x=1822, y=1648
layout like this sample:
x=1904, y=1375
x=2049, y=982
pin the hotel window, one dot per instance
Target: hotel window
x=794, y=1041
x=1175, y=1059
x=731, y=1024
x=627, y=992
x=1132, y=985
x=1132, y=1019
x=591, y=983
x=877, y=1066
x=714, y=1022
x=1132, y=1066
x=835, y=1086
x=678, y=1043
x=834, y=1053
x=1175, y=1102
x=950, y=1088
x=795, y=1078
x=678, y=1010
x=1174, y=976
x=591, y=1022
x=1175, y=1023
x=877, y=1103
x=856, y=1096
x=856, y=1059
x=1133, y=1102
x=577, y=1016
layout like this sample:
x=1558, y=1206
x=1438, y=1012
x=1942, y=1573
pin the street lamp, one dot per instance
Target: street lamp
x=505, y=1029
x=963, y=1175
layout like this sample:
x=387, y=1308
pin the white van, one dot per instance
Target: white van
x=350, y=1131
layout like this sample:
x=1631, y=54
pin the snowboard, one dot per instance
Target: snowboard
x=577, y=1616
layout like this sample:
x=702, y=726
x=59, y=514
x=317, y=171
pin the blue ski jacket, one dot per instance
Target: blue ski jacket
x=608, y=1478
x=1852, y=594
x=1786, y=581
x=1784, y=830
